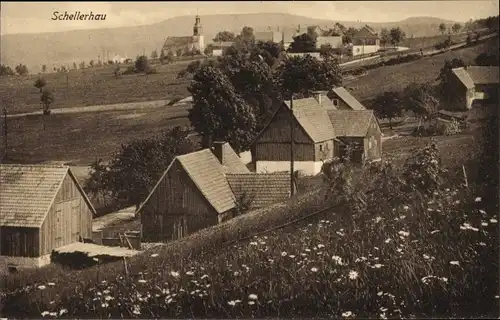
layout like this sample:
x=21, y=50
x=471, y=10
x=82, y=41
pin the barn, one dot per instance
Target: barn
x=313, y=136
x=360, y=130
x=42, y=207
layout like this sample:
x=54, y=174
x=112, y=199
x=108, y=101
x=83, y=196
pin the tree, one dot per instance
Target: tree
x=245, y=41
x=47, y=98
x=385, y=37
x=44, y=68
x=442, y=28
x=82, y=65
x=22, y=69
x=419, y=98
x=137, y=167
x=154, y=55
x=162, y=55
x=218, y=111
x=179, y=52
x=91, y=63
x=388, y=105
x=224, y=36
x=303, y=75
x=208, y=49
x=303, y=43
x=170, y=56
x=456, y=27
x=40, y=83
x=486, y=59
x=326, y=50
x=6, y=71
x=397, y=36
x=141, y=64
x=117, y=71
x=349, y=34
x=269, y=51
x=340, y=27
x=448, y=87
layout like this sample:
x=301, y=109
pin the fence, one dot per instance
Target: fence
x=129, y=239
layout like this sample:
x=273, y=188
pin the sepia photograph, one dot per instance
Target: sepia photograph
x=249, y=159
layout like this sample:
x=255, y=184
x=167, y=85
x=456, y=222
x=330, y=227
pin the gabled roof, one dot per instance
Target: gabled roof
x=28, y=191
x=345, y=96
x=174, y=43
x=208, y=174
x=351, y=123
x=473, y=75
x=261, y=189
x=313, y=118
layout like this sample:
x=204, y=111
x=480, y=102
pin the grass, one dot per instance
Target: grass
x=425, y=70
x=94, y=86
x=421, y=259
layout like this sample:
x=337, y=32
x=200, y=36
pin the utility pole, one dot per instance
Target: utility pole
x=292, y=175
x=5, y=133
x=67, y=84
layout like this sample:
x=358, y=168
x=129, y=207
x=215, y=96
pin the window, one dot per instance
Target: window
x=335, y=102
x=320, y=147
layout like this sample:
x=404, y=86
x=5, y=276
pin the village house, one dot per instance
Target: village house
x=478, y=86
x=365, y=41
x=42, y=208
x=313, y=136
x=360, y=131
x=218, y=48
x=343, y=100
x=196, y=191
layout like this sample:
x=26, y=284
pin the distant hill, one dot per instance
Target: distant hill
x=64, y=48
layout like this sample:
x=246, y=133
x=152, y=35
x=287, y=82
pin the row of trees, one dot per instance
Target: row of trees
x=20, y=69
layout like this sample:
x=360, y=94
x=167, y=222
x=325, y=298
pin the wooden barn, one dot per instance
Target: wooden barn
x=360, y=130
x=478, y=86
x=343, y=100
x=202, y=189
x=42, y=208
x=313, y=136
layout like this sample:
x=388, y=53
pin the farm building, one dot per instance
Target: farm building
x=365, y=41
x=360, y=130
x=42, y=208
x=196, y=191
x=479, y=85
x=313, y=133
x=343, y=100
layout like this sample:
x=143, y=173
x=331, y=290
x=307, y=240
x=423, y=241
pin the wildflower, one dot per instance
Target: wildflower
x=402, y=217
x=137, y=310
x=109, y=298
x=478, y=199
x=378, y=266
x=455, y=263
x=482, y=211
x=497, y=297
x=95, y=259
x=353, y=275
x=378, y=219
x=346, y=314
x=204, y=276
x=406, y=207
x=337, y=259
x=493, y=220
x=307, y=250
x=434, y=231
x=482, y=244
x=236, y=273
x=340, y=233
x=168, y=300
x=105, y=305
x=45, y=313
x=53, y=314
x=251, y=303
x=426, y=257
x=283, y=254
x=399, y=250
x=380, y=293
x=403, y=233
x=142, y=281
x=233, y=302
x=154, y=255
x=253, y=243
x=314, y=269
x=291, y=256
x=484, y=224
x=444, y=279
x=382, y=316
x=42, y=287
x=190, y=273
x=388, y=240
x=175, y=274
x=321, y=246
x=383, y=309
x=63, y=311
x=252, y=296
x=51, y=284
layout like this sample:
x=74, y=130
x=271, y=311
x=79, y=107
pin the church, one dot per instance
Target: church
x=186, y=45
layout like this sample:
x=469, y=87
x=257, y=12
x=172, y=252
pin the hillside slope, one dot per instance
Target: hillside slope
x=59, y=48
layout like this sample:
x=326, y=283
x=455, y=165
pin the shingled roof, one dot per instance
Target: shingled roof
x=231, y=161
x=313, y=118
x=348, y=99
x=350, y=123
x=473, y=75
x=28, y=191
x=262, y=189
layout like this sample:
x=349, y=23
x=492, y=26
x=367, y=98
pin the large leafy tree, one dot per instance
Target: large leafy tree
x=136, y=168
x=487, y=59
x=40, y=83
x=305, y=42
x=385, y=37
x=419, y=98
x=223, y=36
x=448, y=87
x=388, y=105
x=219, y=112
x=397, y=36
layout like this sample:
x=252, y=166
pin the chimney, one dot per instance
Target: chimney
x=319, y=96
x=218, y=150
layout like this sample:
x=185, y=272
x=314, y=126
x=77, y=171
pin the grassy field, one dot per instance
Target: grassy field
x=94, y=86
x=421, y=259
x=425, y=70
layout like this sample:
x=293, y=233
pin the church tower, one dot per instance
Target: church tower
x=197, y=29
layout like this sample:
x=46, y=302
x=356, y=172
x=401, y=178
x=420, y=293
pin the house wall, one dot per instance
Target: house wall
x=19, y=242
x=335, y=42
x=339, y=103
x=23, y=262
x=175, y=197
x=372, y=143
x=68, y=219
x=325, y=150
x=364, y=49
x=357, y=155
x=309, y=168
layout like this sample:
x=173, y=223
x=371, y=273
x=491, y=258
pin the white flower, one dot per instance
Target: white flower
x=478, y=199
x=253, y=243
x=378, y=265
x=105, y=305
x=307, y=250
x=321, y=246
x=252, y=296
x=108, y=298
x=346, y=314
x=497, y=297
x=53, y=314
x=190, y=273
x=353, y=275
x=154, y=255
x=482, y=244
x=51, y=284
x=45, y=313
x=406, y=207
x=175, y=274
x=493, y=220
x=337, y=259
x=283, y=254
x=142, y=281
x=251, y=303
x=204, y=276
x=63, y=311
x=378, y=219
x=444, y=279
x=388, y=240
x=42, y=287
x=435, y=231
x=382, y=316
x=236, y=273
x=404, y=233
x=482, y=211
x=380, y=293
x=314, y=269
x=291, y=256
x=484, y=224
x=455, y=263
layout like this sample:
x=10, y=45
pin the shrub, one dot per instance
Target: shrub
x=151, y=70
x=129, y=70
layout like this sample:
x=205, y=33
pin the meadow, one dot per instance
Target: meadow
x=407, y=256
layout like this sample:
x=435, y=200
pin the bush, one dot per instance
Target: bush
x=151, y=70
x=130, y=70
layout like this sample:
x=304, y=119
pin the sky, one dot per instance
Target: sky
x=35, y=17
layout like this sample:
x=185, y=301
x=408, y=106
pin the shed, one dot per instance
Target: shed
x=42, y=207
x=479, y=84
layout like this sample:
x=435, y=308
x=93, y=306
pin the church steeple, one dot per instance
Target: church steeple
x=197, y=29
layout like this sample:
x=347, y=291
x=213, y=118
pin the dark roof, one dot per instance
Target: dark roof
x=174, y=43
x=345, y=96
x=350, y=123
x=473, y=75
x=28, y=191
x=261, y=189
x=313, y=118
